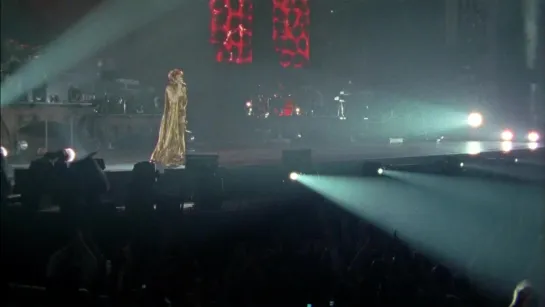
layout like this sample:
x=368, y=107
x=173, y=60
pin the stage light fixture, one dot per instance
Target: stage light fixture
x=372, y=169
x=475, y=120
x=4, y=151
x=506, y=146
x=71, y=155
x=533, y=136
x=22, y=145
x=507, y=135
x=451, y=165
x=294, y=176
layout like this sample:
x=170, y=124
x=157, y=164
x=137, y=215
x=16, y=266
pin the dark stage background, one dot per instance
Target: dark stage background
x=388, y=45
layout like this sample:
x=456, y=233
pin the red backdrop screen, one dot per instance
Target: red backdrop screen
x=291, y=27
x=231, y=30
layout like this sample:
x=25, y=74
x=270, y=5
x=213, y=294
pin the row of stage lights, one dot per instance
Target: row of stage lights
x=508, y=135
x=449, y=165
x=70, y=153
x=446, y=166
x=475, y=120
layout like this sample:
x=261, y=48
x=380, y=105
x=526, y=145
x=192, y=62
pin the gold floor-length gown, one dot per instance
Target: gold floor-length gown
x=170, y=148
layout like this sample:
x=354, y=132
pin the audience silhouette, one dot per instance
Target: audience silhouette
x=312, y=254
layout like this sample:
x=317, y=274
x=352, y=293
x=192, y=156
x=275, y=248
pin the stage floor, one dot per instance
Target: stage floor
x=117, y=160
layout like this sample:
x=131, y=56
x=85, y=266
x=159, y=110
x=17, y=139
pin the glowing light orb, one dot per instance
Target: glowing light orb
x=475, y=120
x=71, y=154
x=506, y=146
x=294, y=176
x=533, y=136
x=473, y=148
x=23, y=145
x=4, y=151
x=507, y=135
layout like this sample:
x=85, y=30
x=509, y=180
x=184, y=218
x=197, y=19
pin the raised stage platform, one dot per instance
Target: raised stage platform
x=270, y=155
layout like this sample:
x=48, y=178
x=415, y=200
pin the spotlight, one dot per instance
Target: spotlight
x=532, y=146
x=4, y=151
x=71, y=155
x=475, y=120
x=294, y=176
x=506, y=146
x=451, y=165
x=533, y=136
x=22, y=145
x=507, y=135
x=473, y=148
x=371, y=169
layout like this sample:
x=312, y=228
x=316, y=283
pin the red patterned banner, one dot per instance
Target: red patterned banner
x=231, y=30
x=291, y=22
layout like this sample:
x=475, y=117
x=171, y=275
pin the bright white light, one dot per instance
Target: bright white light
x=4, y=151
x=380, y=171
x=473, y=148
x=532, y=145
x=71, y=154
x=475, y=120
x=248, y=104
x=23, y=145
x=533, y=136
x=507, y=135
x=506, y=146
x=337, y=98
x=461, y=164
x=294, y=176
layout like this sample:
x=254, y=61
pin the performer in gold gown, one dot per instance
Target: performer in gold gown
x=170, y=148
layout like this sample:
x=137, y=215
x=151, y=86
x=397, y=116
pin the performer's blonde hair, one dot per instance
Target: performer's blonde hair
x=173, y=74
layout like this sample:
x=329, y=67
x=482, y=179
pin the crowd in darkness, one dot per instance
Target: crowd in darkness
x=294, y=254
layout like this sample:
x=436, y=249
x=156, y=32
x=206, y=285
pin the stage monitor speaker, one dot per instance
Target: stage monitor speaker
x=200, y=182
x=208, y=162
x=144, y=168
x=299, y=160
